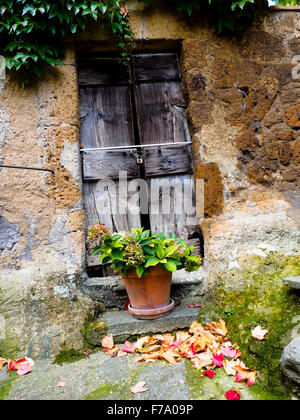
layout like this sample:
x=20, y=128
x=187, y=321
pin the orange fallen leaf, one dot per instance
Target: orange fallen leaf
x=244, y=373
x=170, y=356
x=139, y=387
x=108, y=341
x=148, y=357
x=3, y=362
x=258, y=333
x=113, y=351
x=217, y=328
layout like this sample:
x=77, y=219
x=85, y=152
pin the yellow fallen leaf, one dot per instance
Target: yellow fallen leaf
x=229, y=366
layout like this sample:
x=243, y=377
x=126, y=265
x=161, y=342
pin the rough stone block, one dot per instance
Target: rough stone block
x=123, y=325
x=293, y=282
x=290, y=360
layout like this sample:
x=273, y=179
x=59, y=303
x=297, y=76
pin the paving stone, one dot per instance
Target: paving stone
x=293, y=282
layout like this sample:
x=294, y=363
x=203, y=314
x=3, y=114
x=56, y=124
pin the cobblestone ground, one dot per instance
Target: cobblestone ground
x=101, y=377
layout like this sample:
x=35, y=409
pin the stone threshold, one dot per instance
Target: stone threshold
x=123, y=325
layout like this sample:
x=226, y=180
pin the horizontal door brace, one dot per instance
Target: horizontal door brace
x=137, y=146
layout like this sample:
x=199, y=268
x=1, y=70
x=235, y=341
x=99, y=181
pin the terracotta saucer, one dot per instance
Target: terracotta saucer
x=152, y=313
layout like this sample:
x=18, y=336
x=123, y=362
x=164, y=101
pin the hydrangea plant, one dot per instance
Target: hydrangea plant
x=141, y=250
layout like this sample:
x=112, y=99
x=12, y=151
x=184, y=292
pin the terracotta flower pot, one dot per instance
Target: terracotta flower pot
x=150, y=295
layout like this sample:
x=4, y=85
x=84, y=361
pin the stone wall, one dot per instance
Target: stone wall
x=243, y=109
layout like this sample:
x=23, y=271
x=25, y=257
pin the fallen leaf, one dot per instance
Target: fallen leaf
x=146, y=341
x=108, y=341
x=209, y=373
x=148, y=357
x=217, y=328
x=139, y=387
x=218, y=359
x=244, y=373
x=170, y=357
x=194, y=305
x=233, y=395
x=227, y=351
x=61, y=384
x=182, y=381
x=182, y=336
x=87, y=353
x=202, y=360
x=258, y=333
x=24, y=368
x=17, y=365
x=121, y=353
x=229, y=366
x=126, y=305
x=196, y=327
x=3, y=362
x=113, y=351
x=128, y=347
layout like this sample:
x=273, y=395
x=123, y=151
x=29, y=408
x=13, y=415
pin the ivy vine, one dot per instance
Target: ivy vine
x=32, y=31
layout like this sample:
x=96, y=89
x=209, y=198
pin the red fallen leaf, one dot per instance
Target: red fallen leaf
x=194, y=305
x=218, y=359
x=22, y=366
x=233, y=395
x=128, y=347
x=209, y=373
x=193, y=350
x=14, y=364
x=126, y=305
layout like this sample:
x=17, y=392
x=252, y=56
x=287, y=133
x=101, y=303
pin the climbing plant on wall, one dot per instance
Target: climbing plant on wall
x=31, y=31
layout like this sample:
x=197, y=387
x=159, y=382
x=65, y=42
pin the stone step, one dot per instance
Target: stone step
x=123, y=325
x=111, y=290
x=293, y=282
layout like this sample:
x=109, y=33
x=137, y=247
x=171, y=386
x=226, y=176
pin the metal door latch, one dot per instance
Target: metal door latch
x=139, y=159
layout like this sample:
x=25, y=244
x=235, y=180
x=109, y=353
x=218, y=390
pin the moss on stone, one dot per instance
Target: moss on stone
x=6, y=384
x=257, y=296
x=69, y=356
x=119, y=389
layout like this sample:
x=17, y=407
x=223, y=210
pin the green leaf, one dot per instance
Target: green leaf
x=152, y=262
x=169, y=251
x=117, y=254
x=170, y=266
x=139, y=271
x=160, y=252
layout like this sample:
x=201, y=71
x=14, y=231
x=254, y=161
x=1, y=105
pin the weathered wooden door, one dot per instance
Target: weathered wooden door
x=124, y=111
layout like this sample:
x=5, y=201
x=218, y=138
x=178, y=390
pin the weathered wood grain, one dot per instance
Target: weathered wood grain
x=99, y=164
x=168, y=160
x=102, y=71
x=151, y=67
